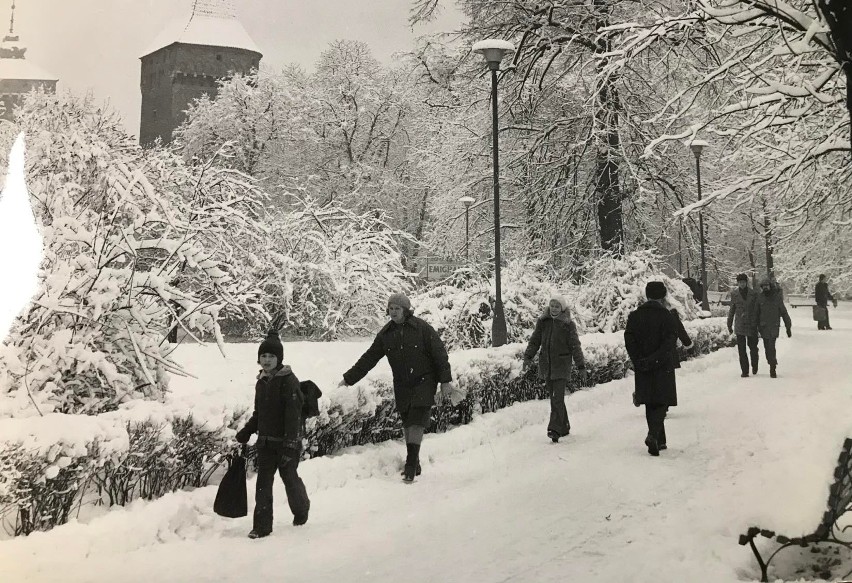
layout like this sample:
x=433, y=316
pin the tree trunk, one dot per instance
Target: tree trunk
x=607, y=187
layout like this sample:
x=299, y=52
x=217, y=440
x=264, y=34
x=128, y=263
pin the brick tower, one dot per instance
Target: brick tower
x=187, y=60
x=18, y=76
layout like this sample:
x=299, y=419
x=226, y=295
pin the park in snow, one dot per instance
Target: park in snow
x=497, y=501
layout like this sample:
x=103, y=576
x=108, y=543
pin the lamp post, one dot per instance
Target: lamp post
x=697, y=146
x=466, y=201
x=494, y=50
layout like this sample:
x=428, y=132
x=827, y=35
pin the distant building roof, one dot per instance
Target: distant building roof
x=13, y=65
x=212, y=23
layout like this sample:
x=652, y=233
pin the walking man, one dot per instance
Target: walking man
x=769, y=309
x=739, y=321
x=650, y=338
x=822, y=295
x=419, y=362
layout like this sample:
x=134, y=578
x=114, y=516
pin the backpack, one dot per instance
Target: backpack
x=311, y=394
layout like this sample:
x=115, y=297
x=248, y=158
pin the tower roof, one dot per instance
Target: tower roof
x=24, y=70
x=211, y=23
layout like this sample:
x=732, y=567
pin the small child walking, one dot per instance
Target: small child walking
x=277, y=420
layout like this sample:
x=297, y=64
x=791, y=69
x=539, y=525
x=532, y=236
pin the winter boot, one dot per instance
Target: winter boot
x=653, y=446
x=257, y=534
x=772, y=372
x=754, y=367
x=412, y=460
x=554, y=437
x=300, y=519
x=744, y=374
x=417, y=472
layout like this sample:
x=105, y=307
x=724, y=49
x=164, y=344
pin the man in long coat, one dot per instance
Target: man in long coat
x=419, y=361
x=740, y=322
x=769, y=310
x=821, y=296
x=650, y=338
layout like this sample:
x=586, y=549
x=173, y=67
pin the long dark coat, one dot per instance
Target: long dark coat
x=822, y=295
x=769, y=310
x=277, y=416
x=650, y=338
x=417, y=357
x=560, y=346
x=740, y=314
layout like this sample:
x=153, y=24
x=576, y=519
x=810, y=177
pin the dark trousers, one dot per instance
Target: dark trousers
x=558, y=412
x=655, y=415
x=751, y=341
x=824, y=324
x=270, y=459
x=769, y=347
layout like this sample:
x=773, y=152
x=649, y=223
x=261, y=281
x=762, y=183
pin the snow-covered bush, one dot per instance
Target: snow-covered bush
x=331, y=270
x=461, y=309
x=134, y=242
x=616, y=287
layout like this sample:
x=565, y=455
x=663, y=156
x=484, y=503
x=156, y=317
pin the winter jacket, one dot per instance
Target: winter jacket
x=277, y=416
x=560, y=345
x=822, y=295
x=682, y=335
x=741, y=311
x=417, y=357
x=650, y=338
x=768, y=311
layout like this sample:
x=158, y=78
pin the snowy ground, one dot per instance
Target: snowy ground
x=498, y=502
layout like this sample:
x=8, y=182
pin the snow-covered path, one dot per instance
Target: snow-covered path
x=498, y=502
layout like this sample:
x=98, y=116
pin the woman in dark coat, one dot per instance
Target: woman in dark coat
x=769, y=310
x=650, y=338
x=556, y=335
x=419, y=362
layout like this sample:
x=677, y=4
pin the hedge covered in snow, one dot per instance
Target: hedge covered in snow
x=50, y=465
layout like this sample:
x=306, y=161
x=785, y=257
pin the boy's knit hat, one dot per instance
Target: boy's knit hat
x=272, y=345
x=655, y=290
x=400, y=300
x=742, y=277
x=560, y=300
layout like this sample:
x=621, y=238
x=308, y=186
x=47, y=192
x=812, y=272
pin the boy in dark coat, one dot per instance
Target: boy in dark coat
x=277, y=419
x=650, y=338
x=769, y=309
x=419, y=362
x=740, y=322
x=557, y=337
x=822, y=295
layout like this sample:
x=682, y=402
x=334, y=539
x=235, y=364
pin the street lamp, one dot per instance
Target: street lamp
x=467, y=201
x=494, y=50
x=697, y=146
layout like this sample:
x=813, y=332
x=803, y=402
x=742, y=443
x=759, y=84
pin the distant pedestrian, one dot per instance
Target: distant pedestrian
x=740, y=321
x=419, y=362
x=557, y=343
x=277, y=420
x=650, y=338
x=769, y=309
x=822, y=295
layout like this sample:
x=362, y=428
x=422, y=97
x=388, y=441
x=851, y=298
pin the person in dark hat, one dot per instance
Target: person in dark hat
x=650, y=338
x=277, y=420
x=822, y=296
x=741, y=322
x=419, y=362
x=769, y=310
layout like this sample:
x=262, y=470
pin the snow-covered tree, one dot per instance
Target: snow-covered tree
x=134, y=240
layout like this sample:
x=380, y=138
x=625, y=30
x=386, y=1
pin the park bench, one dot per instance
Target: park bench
x=719, y=298
x=839, y=501
x=796, y=300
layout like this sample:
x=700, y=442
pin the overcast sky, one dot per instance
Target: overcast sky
x=95, y=45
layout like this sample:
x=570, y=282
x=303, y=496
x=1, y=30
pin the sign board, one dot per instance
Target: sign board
x=437, y=269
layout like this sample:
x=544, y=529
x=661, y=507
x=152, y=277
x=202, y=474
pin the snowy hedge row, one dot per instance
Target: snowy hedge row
x=51, y=465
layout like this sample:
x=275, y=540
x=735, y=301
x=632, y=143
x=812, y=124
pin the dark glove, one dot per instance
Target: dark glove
x=730, y=330
x=834, y=302
x=243, y=435
x=635, y=400
x=289, y=454
x=789, y=333
x=527, y=365
x=582, y=377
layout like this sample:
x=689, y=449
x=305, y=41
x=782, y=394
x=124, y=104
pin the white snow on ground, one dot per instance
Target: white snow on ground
x=497, y=502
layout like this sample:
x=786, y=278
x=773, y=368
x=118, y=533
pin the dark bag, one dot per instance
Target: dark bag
x=820, y=314
x=232, y=499
x=312, y=393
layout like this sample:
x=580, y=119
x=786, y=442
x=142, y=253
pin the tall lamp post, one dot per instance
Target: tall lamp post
x=697, y=146
x=467, y=201
x=494, y=50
